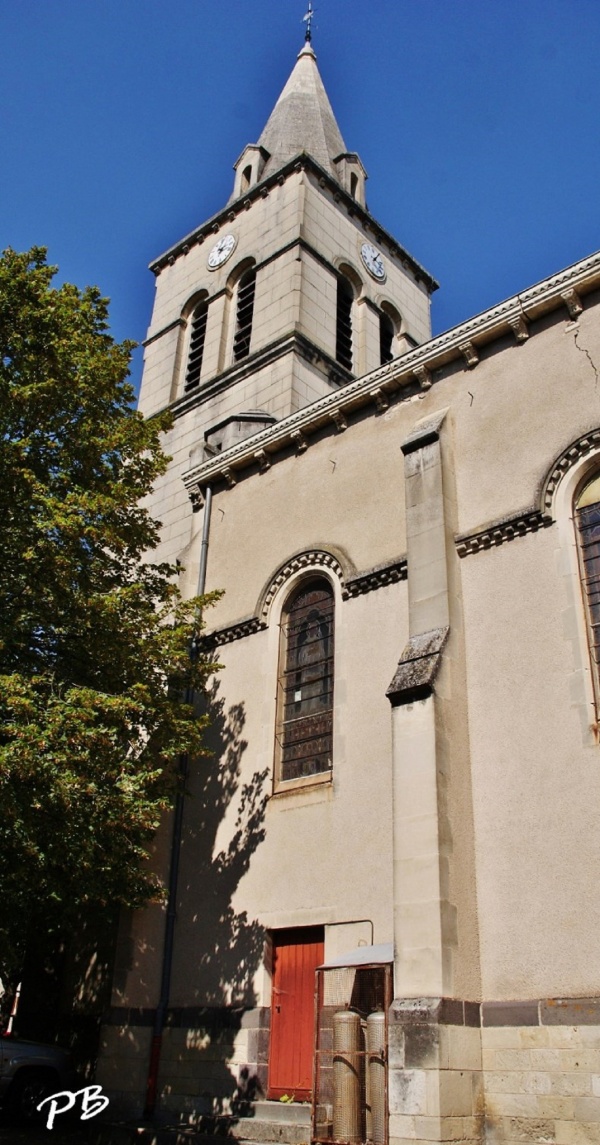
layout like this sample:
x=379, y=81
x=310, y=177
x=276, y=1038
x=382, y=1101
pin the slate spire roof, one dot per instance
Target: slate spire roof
x=302, y=120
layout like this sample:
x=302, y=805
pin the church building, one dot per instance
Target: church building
x=384, y=914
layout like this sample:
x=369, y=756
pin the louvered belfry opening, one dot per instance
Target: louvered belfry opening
x=305, y=685
x=386, y=338
x=343, y=340
x=588, y=523
x=244, y=313
x=197, y=340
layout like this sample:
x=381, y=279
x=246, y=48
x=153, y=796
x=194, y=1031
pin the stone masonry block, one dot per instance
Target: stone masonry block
x=456, y=1093
x=464, y=1047
x=587, y=1109
x=571, y=1084
x=501, y=1038
x=552, y=1106
x=512, y=1059
x=577, y=1133
x=513, y=1104
x=408, y=1091
x=422, y=1047
x=580, y=1059
x=396, y=1058
x=535, y=1129
x=403, y=1125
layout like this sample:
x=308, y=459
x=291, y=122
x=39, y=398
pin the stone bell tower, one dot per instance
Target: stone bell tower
x=287, y=293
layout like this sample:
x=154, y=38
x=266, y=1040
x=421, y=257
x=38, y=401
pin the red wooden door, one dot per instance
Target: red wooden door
x=296, y=955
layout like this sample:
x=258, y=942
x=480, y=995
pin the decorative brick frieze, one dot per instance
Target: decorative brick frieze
x=352, y=586
x=505, y=530
x=314, y=558
x=232, y=632
x=588, y=443
x=377, y=577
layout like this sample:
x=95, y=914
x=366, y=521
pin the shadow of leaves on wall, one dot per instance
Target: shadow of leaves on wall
x=214, y=1057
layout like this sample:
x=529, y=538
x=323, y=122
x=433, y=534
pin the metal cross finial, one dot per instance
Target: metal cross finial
x=309, y=19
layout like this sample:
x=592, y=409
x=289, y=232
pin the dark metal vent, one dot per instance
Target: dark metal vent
x=197, y=340
x=386, y=338
x=245, y=310
x=343, y=341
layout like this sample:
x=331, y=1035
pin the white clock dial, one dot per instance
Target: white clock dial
x=373, y=261
x=221, y=251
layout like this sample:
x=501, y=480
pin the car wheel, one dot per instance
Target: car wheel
x=28, y=1089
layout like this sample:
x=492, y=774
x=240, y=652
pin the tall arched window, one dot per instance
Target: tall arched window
x=305, y=683
x=243, y=314
x=343, y=338
x=587, y=516
x=196, y=350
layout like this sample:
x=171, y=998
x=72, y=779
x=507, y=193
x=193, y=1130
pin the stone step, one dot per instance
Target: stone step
x=295, y=1112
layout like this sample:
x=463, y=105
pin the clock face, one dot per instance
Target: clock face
x=373, y=261
x=221, y=251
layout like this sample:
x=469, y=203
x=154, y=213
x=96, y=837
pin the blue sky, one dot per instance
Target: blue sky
x=477, y=121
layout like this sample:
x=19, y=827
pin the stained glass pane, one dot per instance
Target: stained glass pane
x=306, y=683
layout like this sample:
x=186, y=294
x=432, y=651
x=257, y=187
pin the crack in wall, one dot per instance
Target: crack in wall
x=582, y=350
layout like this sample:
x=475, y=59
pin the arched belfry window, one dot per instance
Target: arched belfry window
x=587, y=516
x=386, y=338
x=244, y=312
x=196, y=350
x=305, y=683
x=343, y=333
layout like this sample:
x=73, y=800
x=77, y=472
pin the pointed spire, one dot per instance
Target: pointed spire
x=302, y=119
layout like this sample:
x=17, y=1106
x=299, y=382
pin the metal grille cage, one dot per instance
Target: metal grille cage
x=350, y=1090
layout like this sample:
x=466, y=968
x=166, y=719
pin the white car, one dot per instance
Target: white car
x=29, y=1072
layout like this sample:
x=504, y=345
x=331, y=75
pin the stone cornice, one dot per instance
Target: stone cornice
x=261, y=190
x=508, y=529
x=415, y=369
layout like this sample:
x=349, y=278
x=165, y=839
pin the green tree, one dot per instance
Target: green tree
x=95, y=640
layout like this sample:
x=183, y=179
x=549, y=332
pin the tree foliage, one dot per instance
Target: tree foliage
x=95, y=639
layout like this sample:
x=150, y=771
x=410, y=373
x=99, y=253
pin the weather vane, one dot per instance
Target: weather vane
x=308, y=20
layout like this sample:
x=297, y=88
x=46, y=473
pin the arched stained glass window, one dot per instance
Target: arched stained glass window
x=587, y=516
x=305, y=684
